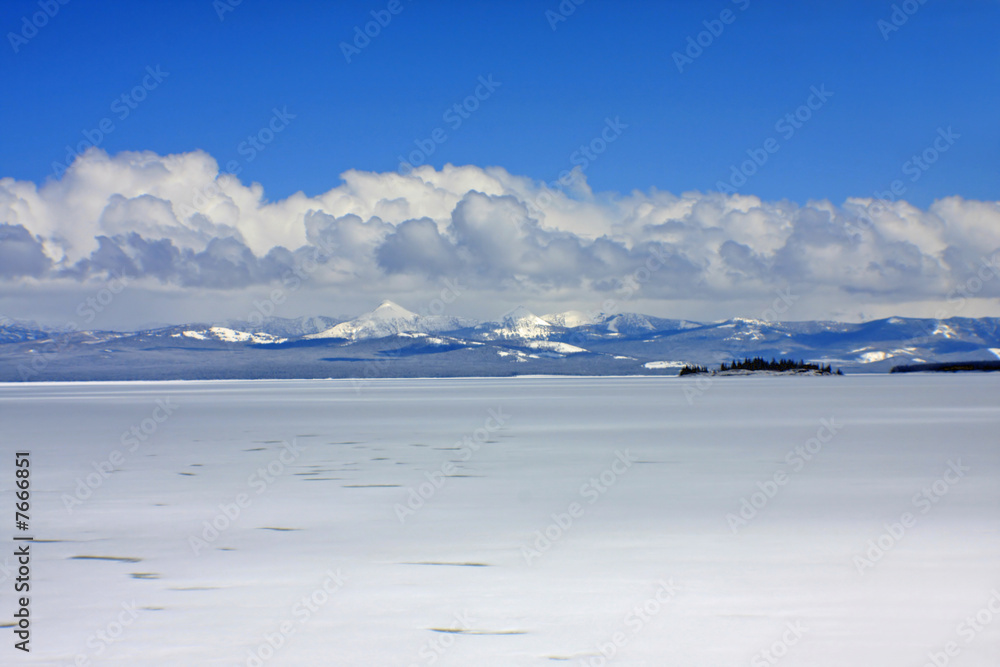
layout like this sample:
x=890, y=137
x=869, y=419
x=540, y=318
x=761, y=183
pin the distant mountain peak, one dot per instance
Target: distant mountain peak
x=391, y=309
x=390, y=319
x=626, y=323
x=522, y=314
x=574, y=318
x=518, y=323
x=750, y=322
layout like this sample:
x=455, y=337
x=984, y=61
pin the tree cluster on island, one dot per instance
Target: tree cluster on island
x=759, y=364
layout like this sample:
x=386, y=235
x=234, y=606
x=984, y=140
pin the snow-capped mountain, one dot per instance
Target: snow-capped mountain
x=621, y=323
x=18, y=333
x=573, y=318
x=283, y=327
x=518, y=323
x=630, y=323
x=389, y=319
x=227, y=335
x=392, y=341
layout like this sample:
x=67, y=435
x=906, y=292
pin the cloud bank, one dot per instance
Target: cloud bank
x=173, y=225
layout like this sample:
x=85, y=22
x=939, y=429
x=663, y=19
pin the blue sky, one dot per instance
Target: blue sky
x=847, y=151
x=607, y=59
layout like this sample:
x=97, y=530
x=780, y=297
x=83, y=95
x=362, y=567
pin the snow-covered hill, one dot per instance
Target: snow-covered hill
x=389, y=319
x=227, y=335
x=283, y=327
x=518, y=323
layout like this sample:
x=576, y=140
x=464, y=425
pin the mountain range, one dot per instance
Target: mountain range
x=391, y=341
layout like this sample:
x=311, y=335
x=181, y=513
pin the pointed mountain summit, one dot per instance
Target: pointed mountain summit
x=390, y=319
x=388, y=310
x=523, y=315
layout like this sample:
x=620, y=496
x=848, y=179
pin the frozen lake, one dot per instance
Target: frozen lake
x=517, y=521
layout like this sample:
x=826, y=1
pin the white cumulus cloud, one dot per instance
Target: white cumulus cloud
x=175, y=226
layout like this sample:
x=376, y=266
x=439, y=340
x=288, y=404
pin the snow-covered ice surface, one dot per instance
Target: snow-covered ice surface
x=664, y=364
x=460, y=562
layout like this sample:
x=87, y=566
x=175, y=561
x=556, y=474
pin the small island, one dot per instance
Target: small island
x=761, y=365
